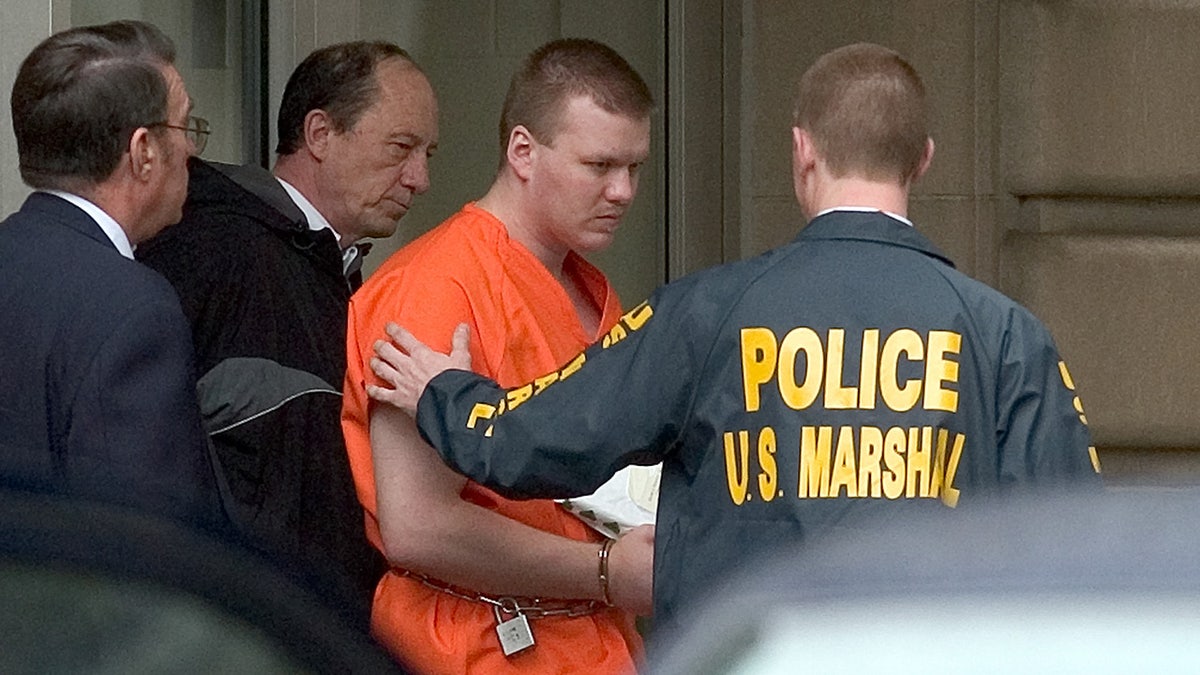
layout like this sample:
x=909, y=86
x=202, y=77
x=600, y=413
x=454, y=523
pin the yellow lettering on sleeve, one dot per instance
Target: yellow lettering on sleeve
x=519, y=395
x=615, y=335
x=481, y=411
x=1070, y=384
x=1066, y=376
x=572, y=367
x=638, y=316
x=540, y=384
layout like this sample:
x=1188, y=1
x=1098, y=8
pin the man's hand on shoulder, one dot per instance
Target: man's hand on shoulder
x=408, y=365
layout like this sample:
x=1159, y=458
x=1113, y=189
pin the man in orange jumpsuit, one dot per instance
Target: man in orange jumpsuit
x=574, y=131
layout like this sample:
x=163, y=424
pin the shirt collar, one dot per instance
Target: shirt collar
x=866, y=209
x=110, y=227
x=312, y=216
x=351, y=255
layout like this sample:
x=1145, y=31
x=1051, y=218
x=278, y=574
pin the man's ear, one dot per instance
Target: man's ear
x=143, y=153
x=926, y=159
x=521, y=148
x=318, y=127
x=804, y=151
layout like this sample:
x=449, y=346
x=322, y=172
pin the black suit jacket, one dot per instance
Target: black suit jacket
x=97, y=387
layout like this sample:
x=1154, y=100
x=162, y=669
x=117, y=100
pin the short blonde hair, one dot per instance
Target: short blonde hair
x=864, y=107
x=563, y=69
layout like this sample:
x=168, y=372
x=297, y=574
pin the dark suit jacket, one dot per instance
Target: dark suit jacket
x=97, y=387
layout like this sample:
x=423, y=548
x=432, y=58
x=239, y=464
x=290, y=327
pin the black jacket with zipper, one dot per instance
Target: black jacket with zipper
x=266, y=300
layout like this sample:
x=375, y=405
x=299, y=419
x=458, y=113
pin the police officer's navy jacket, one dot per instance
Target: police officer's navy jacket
x=853, y=374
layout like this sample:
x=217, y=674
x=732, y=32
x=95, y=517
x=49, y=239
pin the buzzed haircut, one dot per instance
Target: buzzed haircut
x=864, y=106
x=338, y=79
x=561, y=70
x=79, y=96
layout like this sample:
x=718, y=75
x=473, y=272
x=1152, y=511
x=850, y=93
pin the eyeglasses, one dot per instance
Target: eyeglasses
x=196, y=130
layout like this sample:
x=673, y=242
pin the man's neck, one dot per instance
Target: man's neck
x=316, y=220
x=117, y=203
x=116, y=233
x=859, y=192
x=503, y=202
x=300, y=175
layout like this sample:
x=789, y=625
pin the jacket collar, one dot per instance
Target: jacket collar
x=53, y=207
x=111, y=228
x=260, y=187
x=872, y=226
x=263, y=184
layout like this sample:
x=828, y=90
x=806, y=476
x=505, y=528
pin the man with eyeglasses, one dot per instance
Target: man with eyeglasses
x=196, y=130
x=97, y=388
x=264, y=263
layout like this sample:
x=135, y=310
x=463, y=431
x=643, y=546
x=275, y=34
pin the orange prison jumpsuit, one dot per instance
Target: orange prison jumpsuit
x=522, y=324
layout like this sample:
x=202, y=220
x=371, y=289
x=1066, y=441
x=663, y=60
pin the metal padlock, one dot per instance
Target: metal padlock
x=515, y=633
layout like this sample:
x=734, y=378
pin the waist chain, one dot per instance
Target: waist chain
x=533, y=608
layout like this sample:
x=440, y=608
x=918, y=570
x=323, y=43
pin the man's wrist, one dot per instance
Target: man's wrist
x=602, y=572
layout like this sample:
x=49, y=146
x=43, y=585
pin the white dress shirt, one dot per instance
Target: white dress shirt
x=111, y=228
x=317, y=222
x=866, y=209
